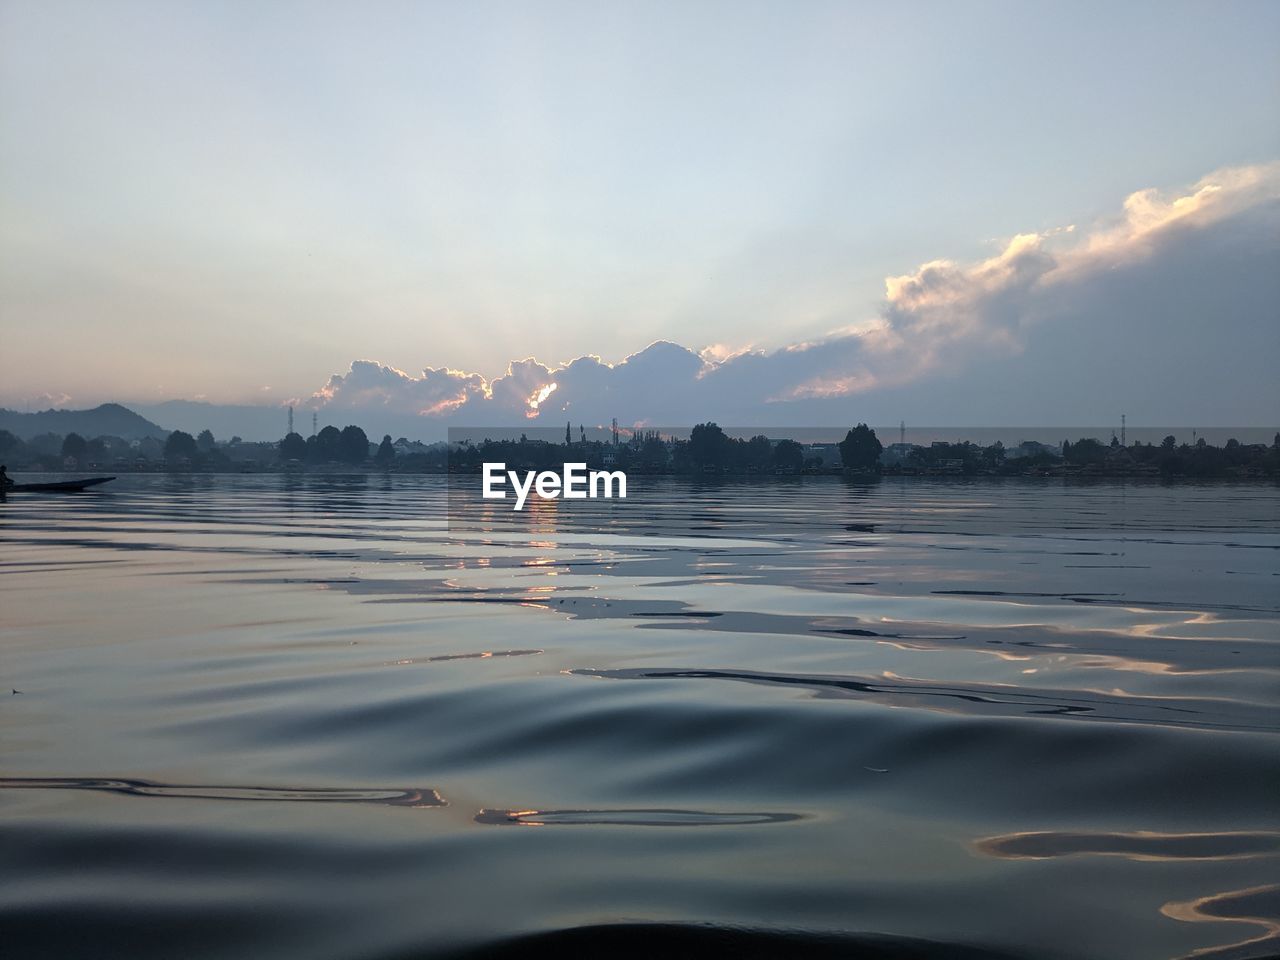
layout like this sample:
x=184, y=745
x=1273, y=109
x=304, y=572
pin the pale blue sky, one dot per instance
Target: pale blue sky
x=211, y=198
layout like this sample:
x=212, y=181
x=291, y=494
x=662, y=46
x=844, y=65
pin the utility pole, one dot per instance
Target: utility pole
x=615, y=432
x=291, y=418
x=1123, y=439
x=902, y=431
x=314, y=418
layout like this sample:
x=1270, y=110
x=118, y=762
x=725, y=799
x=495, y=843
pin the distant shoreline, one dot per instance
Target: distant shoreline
x=347, y=471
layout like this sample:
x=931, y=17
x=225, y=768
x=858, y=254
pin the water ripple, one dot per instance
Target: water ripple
x=1132, y=846
x=415, y=797
x=990, y=699
x=631, y=818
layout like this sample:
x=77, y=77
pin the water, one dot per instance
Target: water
x=263, y=716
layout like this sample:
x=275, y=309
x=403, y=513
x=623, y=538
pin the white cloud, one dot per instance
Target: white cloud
x=49, y=401
x=370, y=384
x=941, y=318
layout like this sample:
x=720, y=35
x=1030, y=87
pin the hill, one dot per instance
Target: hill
x=109, y=419
x=225, y=420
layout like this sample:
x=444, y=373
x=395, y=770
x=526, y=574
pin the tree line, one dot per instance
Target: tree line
x=708, y=449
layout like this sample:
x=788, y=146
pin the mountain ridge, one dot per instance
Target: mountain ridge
x=106, y=419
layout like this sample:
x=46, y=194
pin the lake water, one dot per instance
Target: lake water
x=308, y=717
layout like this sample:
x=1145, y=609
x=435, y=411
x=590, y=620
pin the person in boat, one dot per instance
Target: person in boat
x=5, y=481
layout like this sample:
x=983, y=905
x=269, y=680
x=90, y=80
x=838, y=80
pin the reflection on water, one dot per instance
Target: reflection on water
x=942, y=719
x=482, y=655
x=1133, y=846
x=977, y=698
x=1256, y=906
x=145, y=788
x=631, y=818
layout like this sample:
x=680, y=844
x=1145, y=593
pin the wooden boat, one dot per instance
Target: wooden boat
x=56, y=486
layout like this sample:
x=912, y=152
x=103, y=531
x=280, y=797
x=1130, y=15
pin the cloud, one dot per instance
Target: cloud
x=1150, y=214
x=720, y=352
x=49, y=401
x=372, y=385
x=1116, y=286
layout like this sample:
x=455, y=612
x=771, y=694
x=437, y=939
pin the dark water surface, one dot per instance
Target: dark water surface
x=262, y=716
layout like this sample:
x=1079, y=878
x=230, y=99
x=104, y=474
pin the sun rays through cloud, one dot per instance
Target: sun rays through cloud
x=944, y=317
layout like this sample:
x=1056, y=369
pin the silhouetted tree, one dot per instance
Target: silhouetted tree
x=293, y=447
x=324, y=446
x=353, y=445
x=861, y=448
x=1086, y=450
x=759, y=452
x=386, y=454
x=1168, y=443
x=653, y=454
x=708, y=445
x=205, y=442
x=180, y=444
x=74, y=446
x=993, y=456
x=10, y=443
x=788, y=455
x=46, y=444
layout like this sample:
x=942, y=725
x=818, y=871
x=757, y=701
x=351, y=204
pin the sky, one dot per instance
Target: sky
x=812, y=209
